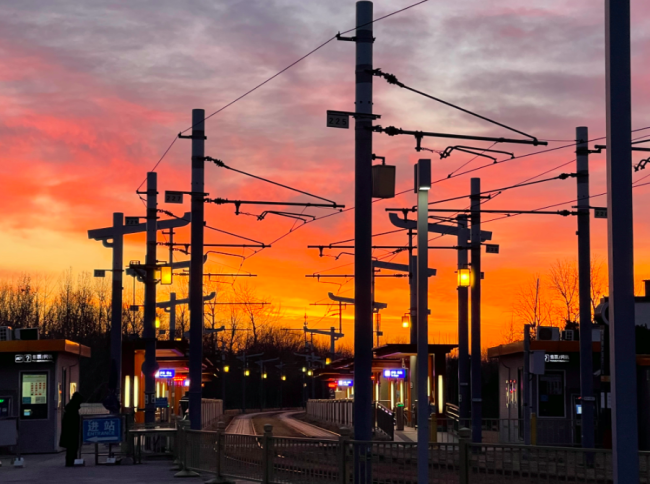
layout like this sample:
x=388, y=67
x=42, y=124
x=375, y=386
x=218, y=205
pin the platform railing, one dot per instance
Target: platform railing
x=271, y=459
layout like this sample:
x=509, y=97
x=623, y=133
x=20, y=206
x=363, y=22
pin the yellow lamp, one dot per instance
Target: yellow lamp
x=284, y=378
x=406, y=321
x=166, y=275
x=264, y=375
x=226, y=369
x=464, y=277
x=310, y=373
x=247, y=372
x=328, y=361
x=304, y=369
x=157, y=322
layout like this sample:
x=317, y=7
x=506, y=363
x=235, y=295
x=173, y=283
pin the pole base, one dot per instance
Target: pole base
x=220, y=480
x=186, y=473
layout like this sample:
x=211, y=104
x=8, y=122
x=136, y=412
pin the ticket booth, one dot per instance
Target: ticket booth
x=37, y=379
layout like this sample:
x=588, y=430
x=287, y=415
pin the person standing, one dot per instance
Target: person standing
x=70, y=429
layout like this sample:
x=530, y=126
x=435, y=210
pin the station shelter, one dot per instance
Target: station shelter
x=172, y=377
x=37, y=379
x=393, y=375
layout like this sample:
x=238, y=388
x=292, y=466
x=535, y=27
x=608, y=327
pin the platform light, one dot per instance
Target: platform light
x=304, y=369
x=284, y=377
x=328, y=361
x=310, y=373
x=247, y=372
x=226, y=369
x=464, y=277
x=157, y=322
x=264, y=375
x=166, y=277
x=406, y=321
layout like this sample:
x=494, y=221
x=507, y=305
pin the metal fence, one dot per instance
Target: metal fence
x=283, y=460
x=211, y=412
x=335, y=411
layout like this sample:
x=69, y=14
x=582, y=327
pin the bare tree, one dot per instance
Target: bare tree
x=533, y=305
x=563, y=279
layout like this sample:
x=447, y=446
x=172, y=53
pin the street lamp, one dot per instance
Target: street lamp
x=166, y=275
x=406, y=321
x=157, y=322
x=284, y=377
x=304, y=369
x=247, y=372
x=264, y=375
x=310, y=373
x=464, y=277
x=226, y=369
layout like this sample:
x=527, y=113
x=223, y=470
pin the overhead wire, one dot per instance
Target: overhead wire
x=282, y=71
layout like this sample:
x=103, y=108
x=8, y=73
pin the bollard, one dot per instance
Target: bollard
x=344, y=440
x=267, y=459
x=464, y=436
x=219, y=449
x=433, y=428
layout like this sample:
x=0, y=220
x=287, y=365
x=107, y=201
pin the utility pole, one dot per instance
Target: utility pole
x=526, y=384
x=116, y=234
x=170, y=307
x=261, y=364
x=363, y=309
x=476, y=309
x=423, y=185
x=463, y=329
x=150, y=366
x=584, y=284
x=196, y=267
x=625, y=437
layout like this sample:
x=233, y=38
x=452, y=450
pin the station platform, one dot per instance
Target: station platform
x=50, y=468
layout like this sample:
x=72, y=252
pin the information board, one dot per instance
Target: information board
x=33, y=396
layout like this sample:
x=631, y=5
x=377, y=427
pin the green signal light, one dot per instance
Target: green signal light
x=2, y=400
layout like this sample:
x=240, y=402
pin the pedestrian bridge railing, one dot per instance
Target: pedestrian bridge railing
x=271, y=459
x=334, y=411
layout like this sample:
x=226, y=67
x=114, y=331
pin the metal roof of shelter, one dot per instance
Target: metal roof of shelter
x=45, y=346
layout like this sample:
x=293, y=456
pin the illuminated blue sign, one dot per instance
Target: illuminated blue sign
x=345, y=383
x=395, y=373
x=165, y=373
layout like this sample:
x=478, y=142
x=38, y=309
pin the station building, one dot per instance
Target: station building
x=393, y=375
x=172, y=377
x=37, y=379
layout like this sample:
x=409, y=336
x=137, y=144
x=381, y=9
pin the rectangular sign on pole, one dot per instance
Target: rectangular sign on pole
x=600, y=212
x=173, y=197
x=336, y=119
x=131, y=221
x=106, y=430
x=492, y=248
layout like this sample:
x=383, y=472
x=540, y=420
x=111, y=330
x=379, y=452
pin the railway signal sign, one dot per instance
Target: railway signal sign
x=492, y=248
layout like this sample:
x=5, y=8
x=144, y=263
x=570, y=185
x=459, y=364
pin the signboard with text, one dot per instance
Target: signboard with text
x=106, y=430
x=166, y=373
x=345, y=383
x=34, y=358
x=395, y=373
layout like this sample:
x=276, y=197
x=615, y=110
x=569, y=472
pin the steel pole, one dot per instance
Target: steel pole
x=526, y=384
x=116, y=305
x=172, y=316
x=584, y=284
x=476, y=310
x=463, y=329
x=149, y=366
x=196, y=267
x=413, y=288
x=363, y=228
x=423, y=184
x=625, y=441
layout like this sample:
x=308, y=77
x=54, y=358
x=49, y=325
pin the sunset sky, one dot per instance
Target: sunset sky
x=93, y=93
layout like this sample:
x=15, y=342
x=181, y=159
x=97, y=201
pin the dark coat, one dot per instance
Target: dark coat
x=70, y=426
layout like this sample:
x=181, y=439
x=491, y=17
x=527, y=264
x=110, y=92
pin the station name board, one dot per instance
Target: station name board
x=395, y=373
x=556, y=358
x=34, y=358
x=165, y=373
x=345, y=383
